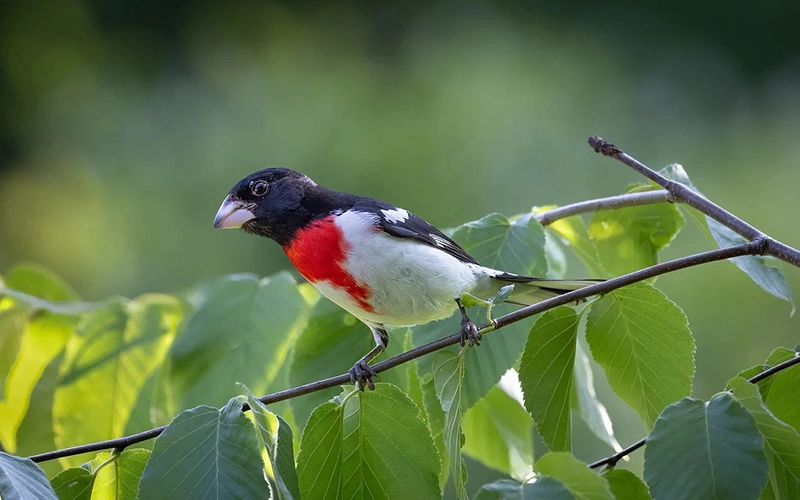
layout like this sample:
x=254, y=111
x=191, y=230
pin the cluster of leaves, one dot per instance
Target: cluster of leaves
x=102, y=370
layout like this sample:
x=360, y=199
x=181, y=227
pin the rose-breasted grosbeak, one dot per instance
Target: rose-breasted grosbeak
x=381, y=263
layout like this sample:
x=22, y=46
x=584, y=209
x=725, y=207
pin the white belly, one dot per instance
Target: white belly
x=410, y=283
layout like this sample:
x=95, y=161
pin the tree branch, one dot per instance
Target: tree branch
x=683, y=194
x=750, y=248
x=610, y=203
x=616, y=457
x=760, y=244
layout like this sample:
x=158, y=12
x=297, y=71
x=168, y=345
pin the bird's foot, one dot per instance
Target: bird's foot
x=361, y=374
x=469, y=333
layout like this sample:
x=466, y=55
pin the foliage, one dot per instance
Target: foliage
x=101, y=370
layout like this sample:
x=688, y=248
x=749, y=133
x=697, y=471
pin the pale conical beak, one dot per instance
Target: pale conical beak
x=232, y=215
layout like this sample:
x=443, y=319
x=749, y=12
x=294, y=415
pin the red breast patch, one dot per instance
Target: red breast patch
x=319, y=252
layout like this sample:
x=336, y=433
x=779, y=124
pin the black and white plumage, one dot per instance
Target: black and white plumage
x=380, y=262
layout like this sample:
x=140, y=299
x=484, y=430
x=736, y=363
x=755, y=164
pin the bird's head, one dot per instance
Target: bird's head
x=271, y=202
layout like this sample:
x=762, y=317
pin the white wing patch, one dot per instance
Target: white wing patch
x=440, y=241
x=395, y=215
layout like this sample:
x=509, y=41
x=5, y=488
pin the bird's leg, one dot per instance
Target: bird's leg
x=469, y=332
x=361, y=373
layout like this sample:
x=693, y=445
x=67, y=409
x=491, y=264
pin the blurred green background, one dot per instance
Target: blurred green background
x=123, y=125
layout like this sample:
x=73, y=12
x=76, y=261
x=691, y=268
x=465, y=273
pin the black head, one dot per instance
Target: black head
x=275, y=203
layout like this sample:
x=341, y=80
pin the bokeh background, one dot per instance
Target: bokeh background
x=123, y=125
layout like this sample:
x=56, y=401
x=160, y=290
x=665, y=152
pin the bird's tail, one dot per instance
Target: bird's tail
x=528, y=290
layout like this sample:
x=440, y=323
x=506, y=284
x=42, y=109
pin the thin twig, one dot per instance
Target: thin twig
x=760, y=244
x=610, y=203
x=612, y=460
x=520, y=314
x=683, y=194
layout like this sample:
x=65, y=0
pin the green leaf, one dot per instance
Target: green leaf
x=118, y=476
x=39, y=289
x=484, y=364
x=705, y=451
x=781, y=397
x=782, y=442
x=625, y=485
x=581, y=481
x=777, y=356
x=331, y=342
x=241, y=331
x=642, y=341
x=107, y=363
x=43, y=340
x=21, y=479
x=571, y=232
x=547, y=375
x=498, y=434
x=513, y=246
x=12, y=328
x=585, y=403
x=636, y=233
x=505, y=489
x=206, y=450
x=448, y=376
x=757, y=268
x=275, y=435
x=73, y=484
x=435, y=418
x=628, y=239
x=374, y=445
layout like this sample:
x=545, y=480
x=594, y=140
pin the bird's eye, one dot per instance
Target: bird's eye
x=259, y=188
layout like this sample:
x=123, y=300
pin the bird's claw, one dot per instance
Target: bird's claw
x=469, y=333
x=361, y=374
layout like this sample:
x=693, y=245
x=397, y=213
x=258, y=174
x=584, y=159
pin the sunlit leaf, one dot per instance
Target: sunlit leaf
x=630, y=238
x=241, y=330
x=585, y=403
x=21, y=479
x=781, y=442
x=44, y=338
x=118, y=477
x=12, y=328
x=497, y=433
x=73, y=484
x=374, y=445
x=758, y=268
x=547, y=375
x=702, y=451
x=107, y=363
x=625, y=485
x=448, y=375
x=581, y=481
x=642, y=341
x=572, y=233
x=206, y=450
x=276, y=436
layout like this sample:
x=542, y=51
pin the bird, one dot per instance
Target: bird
x=381, y=263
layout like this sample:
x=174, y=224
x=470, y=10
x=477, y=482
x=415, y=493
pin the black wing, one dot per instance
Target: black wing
x=403, y=224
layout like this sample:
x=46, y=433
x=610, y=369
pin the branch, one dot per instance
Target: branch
x=759, y=244
x=612, y=460
x=683, y=194
x=604, y=287
x=610, y=203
